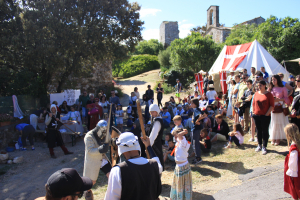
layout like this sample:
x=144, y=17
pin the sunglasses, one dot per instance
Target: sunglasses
x=257, y=76
x=298, y=80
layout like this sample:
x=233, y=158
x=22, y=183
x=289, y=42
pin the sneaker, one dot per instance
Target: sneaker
x=228, y=146
x=258, y=148
x=197, y=160
x=32, y=148
x=264, y=151
x=251, y=140
x=68, y=153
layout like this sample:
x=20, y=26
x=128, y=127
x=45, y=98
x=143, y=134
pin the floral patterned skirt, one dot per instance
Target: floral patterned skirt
x=182, y=183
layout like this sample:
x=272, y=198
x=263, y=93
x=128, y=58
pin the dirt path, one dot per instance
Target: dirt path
x=27, y=180
x=141, y=82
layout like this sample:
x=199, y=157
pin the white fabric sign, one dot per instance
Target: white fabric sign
x=69, y=96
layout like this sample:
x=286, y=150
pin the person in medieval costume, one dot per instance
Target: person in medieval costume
x=53, y=136
x=95, y=148
x=145, y=183
x=156, y=132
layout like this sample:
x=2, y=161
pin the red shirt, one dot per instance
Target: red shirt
x=262, y=103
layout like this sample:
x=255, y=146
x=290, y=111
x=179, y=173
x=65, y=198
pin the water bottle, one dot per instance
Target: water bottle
x=20, y=142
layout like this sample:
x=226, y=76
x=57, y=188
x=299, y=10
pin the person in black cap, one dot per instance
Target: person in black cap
x=149, y=92
x=66, y=184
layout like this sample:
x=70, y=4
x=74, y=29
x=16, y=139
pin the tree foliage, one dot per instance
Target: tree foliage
x=135, y=65
x=194, y=52
x=241, y=34
x=62, y=38
x=164, y=58
x=280, y=37
x=151, y=47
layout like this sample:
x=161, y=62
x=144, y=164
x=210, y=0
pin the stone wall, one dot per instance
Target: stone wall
x=99, y=77
x=257, y=21
x=168, y=32
x=218, y=34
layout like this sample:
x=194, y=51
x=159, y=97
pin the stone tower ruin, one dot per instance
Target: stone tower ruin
x=213, y=16
x=168, y=32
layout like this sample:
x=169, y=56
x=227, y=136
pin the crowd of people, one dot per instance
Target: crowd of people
x=254, y=103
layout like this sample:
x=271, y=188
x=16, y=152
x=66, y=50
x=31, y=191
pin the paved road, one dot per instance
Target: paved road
x=264, y=183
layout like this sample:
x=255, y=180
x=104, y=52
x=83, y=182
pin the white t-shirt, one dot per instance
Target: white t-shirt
x=119, y=114
x=202, y=103
x=211, y=94
x=240, y=137
x=181, y=151
x=103, y=104
x=129, y=110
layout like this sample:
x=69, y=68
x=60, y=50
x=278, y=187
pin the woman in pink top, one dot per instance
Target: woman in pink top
x=278, y=120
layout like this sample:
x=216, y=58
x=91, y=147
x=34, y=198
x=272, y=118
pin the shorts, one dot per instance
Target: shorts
x=84, y=112
x=171, y=157
x=220, y=137
x=119, y=120
x=177, y=94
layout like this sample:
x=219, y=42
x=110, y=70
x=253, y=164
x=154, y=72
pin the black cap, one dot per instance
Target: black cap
x=67, y=182
x=149, y=85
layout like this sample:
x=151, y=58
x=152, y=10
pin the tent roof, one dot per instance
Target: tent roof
x=295, y=60
x=257, y=57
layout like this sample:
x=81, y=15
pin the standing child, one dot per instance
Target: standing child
x=236, y=136
x=129, y=110
x=182, y=181
x=206, y=143
x=120, y=114
x=291, y=164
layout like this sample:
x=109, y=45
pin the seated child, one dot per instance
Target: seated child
x=210, y=111
x=172, y=125
x=205, y=142
x=167, y=155
x=236, y=136
x=129, y=122
x=206, y=120
x=166, y=143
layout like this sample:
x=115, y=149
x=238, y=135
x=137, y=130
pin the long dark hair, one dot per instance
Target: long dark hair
x=279, y=82
x=239, y=128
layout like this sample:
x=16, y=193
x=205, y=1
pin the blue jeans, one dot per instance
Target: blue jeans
x=84, y=112
x=196, y=141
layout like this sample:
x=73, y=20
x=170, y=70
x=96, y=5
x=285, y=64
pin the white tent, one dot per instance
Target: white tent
x=245, y=56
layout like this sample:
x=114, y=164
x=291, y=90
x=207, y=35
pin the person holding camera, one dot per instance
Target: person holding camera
x=247, y=97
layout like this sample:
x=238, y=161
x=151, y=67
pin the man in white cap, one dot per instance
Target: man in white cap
x=230, y=77
x=95, y=147
x=137, y=177
x=156, y=131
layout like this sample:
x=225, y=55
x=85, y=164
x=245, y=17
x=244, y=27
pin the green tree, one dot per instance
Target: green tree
x=164, y=58
x=194, y=52
x=281, y=37
x=151, y=47
x=241, y=34
x=62, y=39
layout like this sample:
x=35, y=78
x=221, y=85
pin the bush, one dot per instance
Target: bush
x=185, y=76
x=164, y=58
x=135, y=65
x=167, y=88
x=151, y=47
